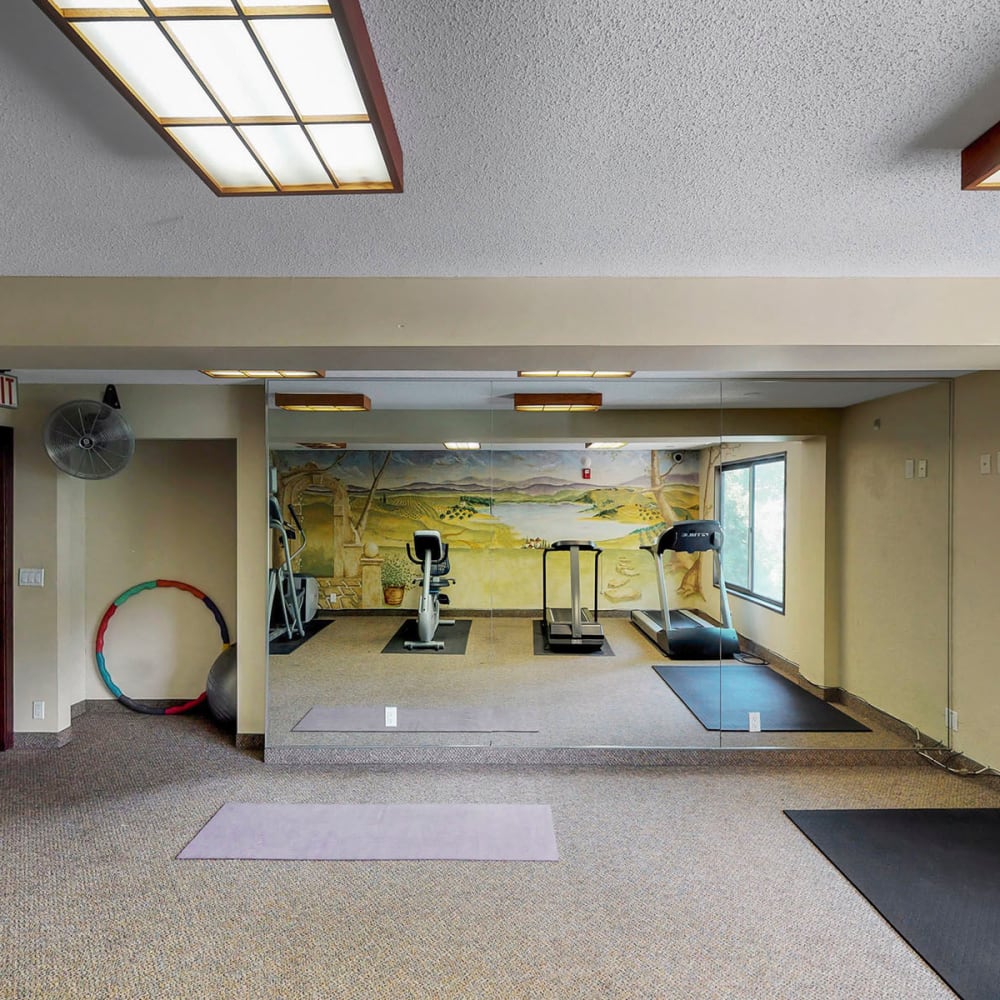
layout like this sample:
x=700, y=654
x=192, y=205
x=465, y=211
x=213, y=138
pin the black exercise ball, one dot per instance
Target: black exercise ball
x=221, y=687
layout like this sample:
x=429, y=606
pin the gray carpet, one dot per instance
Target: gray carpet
x=680, y=882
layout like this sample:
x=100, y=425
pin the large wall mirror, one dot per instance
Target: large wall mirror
x=697, y=564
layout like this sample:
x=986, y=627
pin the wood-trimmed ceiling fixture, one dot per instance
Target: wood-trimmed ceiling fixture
x=572, y=373
x=981, y=162
x=259, y=373
x=557, y=402
x=322, y=402
x=259, y=98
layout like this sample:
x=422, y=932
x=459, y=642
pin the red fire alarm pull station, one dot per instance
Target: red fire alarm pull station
x=586, y=473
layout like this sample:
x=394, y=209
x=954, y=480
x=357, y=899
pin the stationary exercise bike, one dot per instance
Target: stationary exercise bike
x=292, y=598
x=430, y=553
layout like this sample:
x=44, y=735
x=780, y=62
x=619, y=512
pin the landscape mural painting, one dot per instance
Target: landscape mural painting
x=497, y=510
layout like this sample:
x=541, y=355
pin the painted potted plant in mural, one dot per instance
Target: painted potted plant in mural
x=395, y=576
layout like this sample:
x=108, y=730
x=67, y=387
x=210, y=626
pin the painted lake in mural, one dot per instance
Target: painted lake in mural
x=553, y=521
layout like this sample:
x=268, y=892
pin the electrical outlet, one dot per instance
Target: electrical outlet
x=390, y=716
x=38, y=709
x=921, y=468
x=951, y=719
x=985, y=464
x=754, y=722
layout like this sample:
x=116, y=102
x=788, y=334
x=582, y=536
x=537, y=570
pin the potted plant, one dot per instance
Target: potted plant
x=395, y=576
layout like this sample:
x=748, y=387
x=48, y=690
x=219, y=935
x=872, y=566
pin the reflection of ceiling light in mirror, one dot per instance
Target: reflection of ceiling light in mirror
x=330, y=402
x=568, y=373
x=462, y=445
x=557, y=402
x=606, y=444
x=257, y=373
x=322, y=445
x=267, y=97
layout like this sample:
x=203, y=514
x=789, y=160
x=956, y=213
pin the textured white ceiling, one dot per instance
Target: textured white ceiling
x=564, y=137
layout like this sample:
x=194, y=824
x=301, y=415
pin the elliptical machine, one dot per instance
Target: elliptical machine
x=295, y=594
x=430, y=553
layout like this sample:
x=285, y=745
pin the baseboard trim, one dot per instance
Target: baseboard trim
x=43, y=741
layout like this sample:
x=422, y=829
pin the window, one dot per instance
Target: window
x=750, y=500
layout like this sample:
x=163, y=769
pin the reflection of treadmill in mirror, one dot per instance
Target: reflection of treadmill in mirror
x=575, y=627
x=680, y=633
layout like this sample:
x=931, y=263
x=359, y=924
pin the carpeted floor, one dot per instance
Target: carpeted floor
x=672, y=883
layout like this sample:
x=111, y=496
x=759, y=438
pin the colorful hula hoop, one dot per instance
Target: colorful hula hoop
x=138, y=706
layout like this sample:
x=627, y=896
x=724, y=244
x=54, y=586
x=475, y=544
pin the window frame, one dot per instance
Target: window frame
x=749, y=594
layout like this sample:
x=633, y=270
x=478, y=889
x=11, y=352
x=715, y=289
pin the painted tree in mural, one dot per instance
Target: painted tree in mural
x=690, y=584
x=359, y=523
x=658, y=484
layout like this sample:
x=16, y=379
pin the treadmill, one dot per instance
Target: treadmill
x=683, y=634
x=573, y=628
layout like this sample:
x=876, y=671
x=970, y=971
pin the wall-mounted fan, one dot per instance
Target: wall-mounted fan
x=90, y=439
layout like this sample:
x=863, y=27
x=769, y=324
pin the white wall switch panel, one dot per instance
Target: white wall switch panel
x=38, y=709
x=985, y=464
x=951, y=719
x=908, y=469
x=31, y=577
x=754, y=726
x=390, y=716
x=921, y=468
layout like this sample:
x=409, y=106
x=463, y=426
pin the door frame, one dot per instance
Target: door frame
x=6, y=588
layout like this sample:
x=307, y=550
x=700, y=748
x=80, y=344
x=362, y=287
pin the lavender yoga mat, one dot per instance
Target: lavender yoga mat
x=377, y=832
x=374, y=718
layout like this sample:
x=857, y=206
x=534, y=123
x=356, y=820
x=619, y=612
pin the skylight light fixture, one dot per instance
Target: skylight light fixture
x=258, y=96
x=258, y=373
x=557, y=402
x=606, y=445
x=574, y=373
x=323, y=402
x=462, y=445
x=981, y=162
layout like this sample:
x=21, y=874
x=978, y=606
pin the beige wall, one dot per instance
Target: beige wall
x=894, y=551
x=976, y=675
x=54, y=625
x=40, y=629
x=171, y=514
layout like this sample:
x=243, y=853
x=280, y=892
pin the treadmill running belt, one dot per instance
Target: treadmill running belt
x=678, y=619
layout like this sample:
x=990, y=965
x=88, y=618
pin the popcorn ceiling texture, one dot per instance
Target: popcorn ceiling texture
x=571, y=137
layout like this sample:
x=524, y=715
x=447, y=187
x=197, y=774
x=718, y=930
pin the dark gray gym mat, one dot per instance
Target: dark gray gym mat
x=455, y=637
x=371, y=719
x=313, y=831
x=541, y=649
x=721, y=698
x=282, y=647
x=934, y=874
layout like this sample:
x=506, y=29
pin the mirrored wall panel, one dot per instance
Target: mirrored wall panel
x=691, y=564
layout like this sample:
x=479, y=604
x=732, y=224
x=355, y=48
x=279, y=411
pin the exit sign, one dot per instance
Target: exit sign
x=8, y=391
